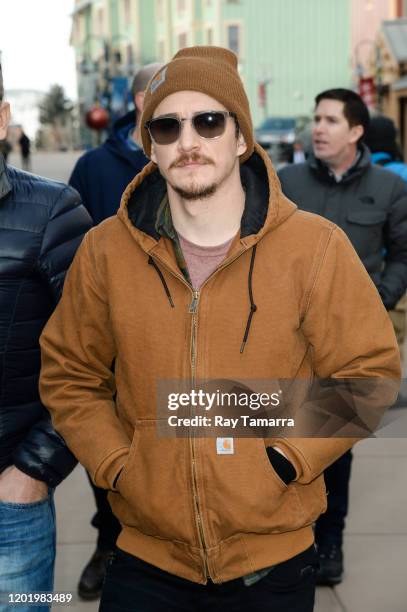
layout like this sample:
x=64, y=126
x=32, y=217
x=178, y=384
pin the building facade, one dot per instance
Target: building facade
x=288, y=50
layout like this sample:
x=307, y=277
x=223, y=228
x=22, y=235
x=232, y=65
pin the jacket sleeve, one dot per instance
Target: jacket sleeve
x=351, y=337
x=80, y=182
x=77, y=384
x=43, y=454
x=393, y=283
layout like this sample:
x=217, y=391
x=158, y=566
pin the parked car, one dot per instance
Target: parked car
x=275, y=131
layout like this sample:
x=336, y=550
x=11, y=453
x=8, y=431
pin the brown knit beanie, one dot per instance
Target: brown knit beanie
x=210, y=70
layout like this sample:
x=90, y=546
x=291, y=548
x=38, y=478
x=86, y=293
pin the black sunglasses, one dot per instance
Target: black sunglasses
x=207, y=124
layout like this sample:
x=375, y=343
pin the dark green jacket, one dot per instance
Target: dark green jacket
x=369, y=204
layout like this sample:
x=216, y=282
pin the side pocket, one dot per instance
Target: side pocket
x=270, y=469
x=312, y=498
x=125, y=470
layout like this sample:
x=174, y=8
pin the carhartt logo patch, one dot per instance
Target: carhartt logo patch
x=158, y=80
x=224, y=446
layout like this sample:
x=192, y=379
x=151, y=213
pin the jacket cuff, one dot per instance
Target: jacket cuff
x=282, y=466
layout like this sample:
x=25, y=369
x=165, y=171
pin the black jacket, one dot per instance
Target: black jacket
x=102, y=174
x=42, y=223
x=370, y=205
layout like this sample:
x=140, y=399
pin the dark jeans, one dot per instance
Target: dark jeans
x=104, y=520
x=135, y=586
x=329, y=527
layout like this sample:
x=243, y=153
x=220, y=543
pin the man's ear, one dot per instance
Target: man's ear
x=241, y=144
x=4, y=119
x=355, y=133
x=139, y=101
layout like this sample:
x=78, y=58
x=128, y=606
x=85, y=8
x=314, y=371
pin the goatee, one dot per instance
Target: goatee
x=196, y=193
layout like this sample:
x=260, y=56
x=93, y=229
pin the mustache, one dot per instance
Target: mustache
x=184, y=159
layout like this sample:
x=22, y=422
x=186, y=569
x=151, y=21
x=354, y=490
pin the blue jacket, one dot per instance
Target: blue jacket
x=42, y=223
x=102, y=174
x=386, y=161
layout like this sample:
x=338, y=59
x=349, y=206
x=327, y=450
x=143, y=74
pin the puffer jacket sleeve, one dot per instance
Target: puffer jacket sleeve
x=43, y=454
x=352, y=337
x=80, y=181
x=65, y=229
x=394, y=278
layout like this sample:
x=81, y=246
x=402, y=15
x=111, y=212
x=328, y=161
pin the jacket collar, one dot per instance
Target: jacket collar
x=117, y=145
x=266, y=207
x=5, y=185
x=324, y=173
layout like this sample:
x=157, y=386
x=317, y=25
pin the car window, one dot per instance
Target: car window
x=278, y=123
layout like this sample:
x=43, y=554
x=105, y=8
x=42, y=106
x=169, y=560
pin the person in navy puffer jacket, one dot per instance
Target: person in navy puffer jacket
x=42, y=223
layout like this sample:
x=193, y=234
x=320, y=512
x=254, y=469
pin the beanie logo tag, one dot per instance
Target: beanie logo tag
x=158, y=80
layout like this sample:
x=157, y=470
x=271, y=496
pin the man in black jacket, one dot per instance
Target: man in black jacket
x=41, y=225
x=369, y=203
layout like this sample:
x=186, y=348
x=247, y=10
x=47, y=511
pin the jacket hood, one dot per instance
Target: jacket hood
x=116, y=144
x=323, y=171
x=266, y=206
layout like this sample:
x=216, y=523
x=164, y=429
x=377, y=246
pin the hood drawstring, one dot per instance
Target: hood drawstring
x=162, y=279
x=253, y=306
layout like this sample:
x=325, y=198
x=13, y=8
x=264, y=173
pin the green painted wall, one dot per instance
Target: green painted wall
x=147, y=31
x=114, y=19
x=302, y=46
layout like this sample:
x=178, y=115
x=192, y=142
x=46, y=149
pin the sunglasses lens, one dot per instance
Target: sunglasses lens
x=210, y=125
x=164, y=130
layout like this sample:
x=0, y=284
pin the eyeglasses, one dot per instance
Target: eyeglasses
x=166, y=130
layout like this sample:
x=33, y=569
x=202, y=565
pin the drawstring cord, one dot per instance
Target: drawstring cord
x=162, y=279
x=253, y=306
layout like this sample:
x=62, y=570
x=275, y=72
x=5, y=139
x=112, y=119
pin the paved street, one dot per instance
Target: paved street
x=55, y=165
x=376, y=536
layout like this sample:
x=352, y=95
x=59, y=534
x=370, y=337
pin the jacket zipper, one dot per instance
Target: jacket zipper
x=193, y=310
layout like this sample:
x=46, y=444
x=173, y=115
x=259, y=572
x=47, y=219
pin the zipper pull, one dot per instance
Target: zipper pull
x=194, y=304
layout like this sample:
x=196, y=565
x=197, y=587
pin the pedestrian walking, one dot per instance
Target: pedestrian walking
x=207, y=272
x=339, y=182
x=25, y=146
x=41, y=225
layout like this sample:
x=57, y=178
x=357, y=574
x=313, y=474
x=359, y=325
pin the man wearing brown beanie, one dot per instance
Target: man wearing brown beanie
x=207, y=272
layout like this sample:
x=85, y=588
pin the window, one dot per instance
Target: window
x=161, y=50
x=182, y=40
x=160, y=9
x=99, y=22
x=129, y=55
x=180, y=6
x=127, y=11
x=233, y=38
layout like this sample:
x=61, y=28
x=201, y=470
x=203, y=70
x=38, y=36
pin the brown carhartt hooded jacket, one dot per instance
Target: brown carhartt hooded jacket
x=183, y=507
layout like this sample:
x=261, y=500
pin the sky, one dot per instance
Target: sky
x=34, y=45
